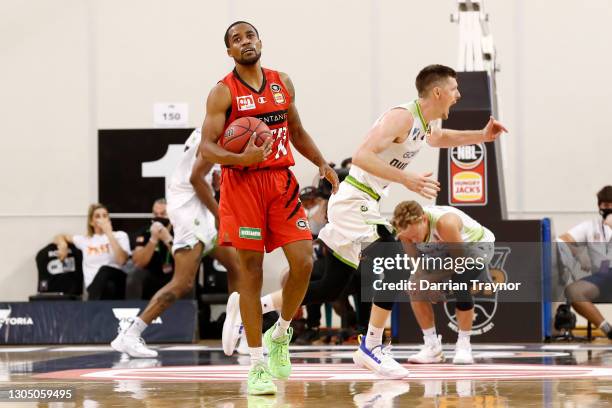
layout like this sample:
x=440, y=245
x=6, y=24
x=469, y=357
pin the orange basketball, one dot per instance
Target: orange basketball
x=238, y=133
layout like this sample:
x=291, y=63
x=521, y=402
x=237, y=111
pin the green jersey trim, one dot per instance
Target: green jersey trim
x=361, y=186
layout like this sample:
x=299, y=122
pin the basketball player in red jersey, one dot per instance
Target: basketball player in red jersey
x=259, y=208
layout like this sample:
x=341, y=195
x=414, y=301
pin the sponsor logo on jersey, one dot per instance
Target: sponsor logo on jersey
x=364, y=208
x=398, y=164
x=279, y=98
x=261, y=99
x=417, y=134
x=6, y=319
x=250, y=233
x=246, y=102
x=302, y=224
x=277, y=93
x=273, y=118
x=410, y=155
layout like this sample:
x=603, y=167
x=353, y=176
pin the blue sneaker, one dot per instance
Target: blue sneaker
x=379, y=361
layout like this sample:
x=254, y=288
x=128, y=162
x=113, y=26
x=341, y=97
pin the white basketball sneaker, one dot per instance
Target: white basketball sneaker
x=463, y=352
x=378, y=360
x=243, y=345
x=232, y=326
x=430, y=353
x=133, y=346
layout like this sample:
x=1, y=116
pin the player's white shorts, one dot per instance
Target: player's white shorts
x=353, y=216
x=192, y=222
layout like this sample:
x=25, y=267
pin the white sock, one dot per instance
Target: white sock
x=605, y=327
x=430, y=334
x=266, y=304
x=257, y=355
x=137, y=327
x=464, y=335
x=281, y=328
x=374, y=336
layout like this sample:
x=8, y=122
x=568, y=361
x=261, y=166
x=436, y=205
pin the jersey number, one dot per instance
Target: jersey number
x=281, y=135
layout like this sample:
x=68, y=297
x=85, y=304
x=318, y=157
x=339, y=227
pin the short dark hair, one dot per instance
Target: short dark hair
x=432, y=74
x=226, y=36
x=604, y=195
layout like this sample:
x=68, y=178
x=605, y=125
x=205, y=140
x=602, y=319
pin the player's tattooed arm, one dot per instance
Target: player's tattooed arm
x=445, y=138
x=302, y=140
x=393, y=128
x=203, y=190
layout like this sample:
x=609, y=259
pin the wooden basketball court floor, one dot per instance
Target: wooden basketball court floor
x=509, y=375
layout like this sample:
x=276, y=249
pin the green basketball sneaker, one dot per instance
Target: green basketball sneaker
x=278, y=353
x=260, y=380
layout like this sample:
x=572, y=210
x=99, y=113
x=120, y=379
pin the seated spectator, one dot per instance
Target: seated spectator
x=591, y=243
x=153, y=251
x=104, y=252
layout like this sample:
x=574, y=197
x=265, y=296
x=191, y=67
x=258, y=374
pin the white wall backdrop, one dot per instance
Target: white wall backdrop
x=71, y=67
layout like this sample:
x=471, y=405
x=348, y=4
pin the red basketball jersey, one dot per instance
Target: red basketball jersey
x=270, y=104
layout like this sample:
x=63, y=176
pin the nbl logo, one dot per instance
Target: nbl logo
x=485, y=301
x=467, y=157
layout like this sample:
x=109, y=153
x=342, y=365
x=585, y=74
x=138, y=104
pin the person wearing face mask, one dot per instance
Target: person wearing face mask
x=591, y=242
x=153, y=251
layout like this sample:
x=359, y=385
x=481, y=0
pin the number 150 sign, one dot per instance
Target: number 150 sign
x=170, y=114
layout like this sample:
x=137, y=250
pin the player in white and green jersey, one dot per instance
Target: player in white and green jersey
x=437, y=232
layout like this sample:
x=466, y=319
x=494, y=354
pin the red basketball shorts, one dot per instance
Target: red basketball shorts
x=260, y=209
